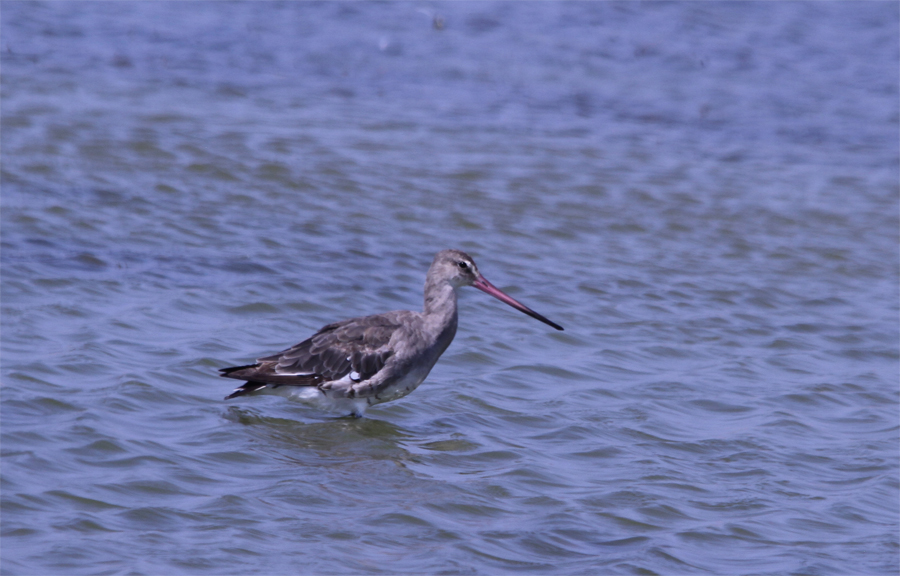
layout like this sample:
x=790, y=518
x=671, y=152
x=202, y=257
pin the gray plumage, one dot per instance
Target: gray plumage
x=364, y=361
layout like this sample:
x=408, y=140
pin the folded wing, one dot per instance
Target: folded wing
x=356, y=348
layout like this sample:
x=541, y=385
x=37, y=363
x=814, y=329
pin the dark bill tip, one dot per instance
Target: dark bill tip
x=485, y=286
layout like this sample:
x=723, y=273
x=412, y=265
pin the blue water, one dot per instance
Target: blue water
x=704, y=194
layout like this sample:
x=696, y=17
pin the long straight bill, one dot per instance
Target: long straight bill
x=486, y=286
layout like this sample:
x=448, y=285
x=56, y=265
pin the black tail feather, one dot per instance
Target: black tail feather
x=247, y=388
x=258, y=378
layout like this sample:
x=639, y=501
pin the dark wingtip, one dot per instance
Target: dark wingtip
x=230, y=369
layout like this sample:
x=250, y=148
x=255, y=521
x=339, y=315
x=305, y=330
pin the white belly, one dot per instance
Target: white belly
x=336, y=400
x=312, y=396
x=403, y=386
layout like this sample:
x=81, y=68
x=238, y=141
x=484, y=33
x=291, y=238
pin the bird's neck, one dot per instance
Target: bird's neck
x=440, y=306
x=440, y=299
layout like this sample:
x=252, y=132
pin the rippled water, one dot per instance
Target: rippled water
x=704, y=194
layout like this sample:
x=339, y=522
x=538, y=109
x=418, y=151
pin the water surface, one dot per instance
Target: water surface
x=704, y=194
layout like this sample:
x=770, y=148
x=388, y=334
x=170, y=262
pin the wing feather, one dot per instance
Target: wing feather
x=358, y=345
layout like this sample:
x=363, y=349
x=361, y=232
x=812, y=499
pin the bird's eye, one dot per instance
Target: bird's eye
x=463, y=264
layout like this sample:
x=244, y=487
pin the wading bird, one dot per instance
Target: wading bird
x=351, y=365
